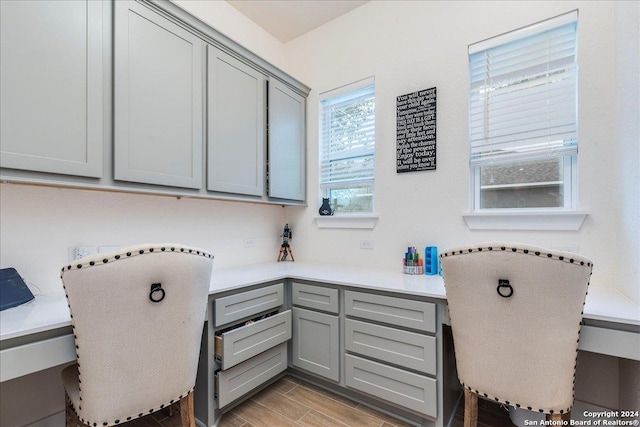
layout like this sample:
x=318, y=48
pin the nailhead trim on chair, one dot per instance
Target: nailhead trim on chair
x=131, y=417
x=115, y=257
x=535, y=253
x=119, y=255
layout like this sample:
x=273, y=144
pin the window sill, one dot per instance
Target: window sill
x=347, y=221
x=548, y=221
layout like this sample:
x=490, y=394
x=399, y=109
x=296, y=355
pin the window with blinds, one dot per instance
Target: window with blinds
x=347, y=147
x=523, y=127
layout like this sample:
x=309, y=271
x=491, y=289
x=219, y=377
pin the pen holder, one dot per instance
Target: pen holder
x=431, y=260
x=411, y=263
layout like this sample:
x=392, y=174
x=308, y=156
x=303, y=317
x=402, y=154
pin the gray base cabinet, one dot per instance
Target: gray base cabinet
x=391, y=350
x=316, y=343
x=51, y=86
x=381, y=350
x=158, y=76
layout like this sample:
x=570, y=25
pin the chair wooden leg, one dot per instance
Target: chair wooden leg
x=559, y=417
x=187, y=415
x=70, y=417
x=470, y=408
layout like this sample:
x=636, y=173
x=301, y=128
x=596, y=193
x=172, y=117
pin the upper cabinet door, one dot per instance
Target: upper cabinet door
x=51, y=86
x=286, y=143
x=236, y=125
x=158, y=83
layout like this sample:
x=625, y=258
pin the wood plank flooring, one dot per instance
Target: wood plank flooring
x=290, y=402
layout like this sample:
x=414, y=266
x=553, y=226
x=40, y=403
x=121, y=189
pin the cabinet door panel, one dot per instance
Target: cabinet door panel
x=158, y=99
x=52, y=86
x=315, y=343
x=236, y=125
x=286, y=142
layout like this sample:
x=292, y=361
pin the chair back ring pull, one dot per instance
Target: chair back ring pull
x=505, y=290
x=155, y=288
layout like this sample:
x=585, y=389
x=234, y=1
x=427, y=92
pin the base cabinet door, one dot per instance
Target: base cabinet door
x=316, y=343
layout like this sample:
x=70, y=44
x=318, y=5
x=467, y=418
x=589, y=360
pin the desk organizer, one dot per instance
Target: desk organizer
x=431, y=263
x=412, y=264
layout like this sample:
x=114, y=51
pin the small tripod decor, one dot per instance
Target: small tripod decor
x=285, y=248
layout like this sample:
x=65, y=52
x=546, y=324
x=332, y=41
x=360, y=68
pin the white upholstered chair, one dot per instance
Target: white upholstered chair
x=137, y=317
x=515, y=315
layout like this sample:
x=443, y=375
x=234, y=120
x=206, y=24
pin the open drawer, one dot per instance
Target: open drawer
x=241, y=379
x=244, y=342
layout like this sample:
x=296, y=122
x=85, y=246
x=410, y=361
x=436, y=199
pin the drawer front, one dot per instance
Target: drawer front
x=243, y=343
x=316, y=297
x=402, y=348
x=412, y=391
x=316, y=343
x=394, y=311
x=248, y=304
x=241, y=379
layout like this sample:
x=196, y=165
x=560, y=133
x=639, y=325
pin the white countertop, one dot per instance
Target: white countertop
x=50, y=311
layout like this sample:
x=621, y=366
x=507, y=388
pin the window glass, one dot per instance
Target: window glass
x=347, y=147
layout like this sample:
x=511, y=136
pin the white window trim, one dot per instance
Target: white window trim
x=543, y=220
x=345, y=220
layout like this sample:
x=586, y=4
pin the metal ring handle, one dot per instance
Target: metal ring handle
x=502, y=285
x=156, y=287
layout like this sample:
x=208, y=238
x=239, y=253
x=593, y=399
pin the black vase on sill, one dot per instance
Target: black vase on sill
x=325, y=208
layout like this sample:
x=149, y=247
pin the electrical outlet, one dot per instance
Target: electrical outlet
x=250, y=243
x=366, y=244
x=81, y=252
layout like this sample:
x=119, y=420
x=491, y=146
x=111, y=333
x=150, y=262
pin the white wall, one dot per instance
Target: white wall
x=627, y=56
x=227, y=20
x=413, y=45
x=39, y=224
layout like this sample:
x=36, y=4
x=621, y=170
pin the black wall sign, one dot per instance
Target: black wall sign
x=416, y=131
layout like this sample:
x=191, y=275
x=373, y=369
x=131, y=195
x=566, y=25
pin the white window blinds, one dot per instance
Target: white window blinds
x=522, y=96
x=347, y=136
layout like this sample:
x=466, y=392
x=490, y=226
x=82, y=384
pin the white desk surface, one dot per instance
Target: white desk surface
x=49, y=311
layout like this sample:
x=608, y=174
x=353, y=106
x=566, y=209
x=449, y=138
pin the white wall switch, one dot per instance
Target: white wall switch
x=366, y=244
x=81, y=251
x=250, y=243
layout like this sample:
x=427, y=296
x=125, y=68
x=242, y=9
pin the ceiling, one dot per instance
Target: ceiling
x=288, y=19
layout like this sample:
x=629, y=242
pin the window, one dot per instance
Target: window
x=347, y=145
x=523, y=117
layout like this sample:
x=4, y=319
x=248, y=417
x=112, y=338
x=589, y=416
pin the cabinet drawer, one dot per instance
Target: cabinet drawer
x=413, y=391
x=241, y=379
x=394, y=311
x=403, y=348
x=247, y=341
x=248, y=304
x=316, y=297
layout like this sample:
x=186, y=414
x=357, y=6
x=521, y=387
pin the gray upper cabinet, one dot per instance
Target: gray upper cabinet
x=51, y=86
x=235, y=125
x=286, y=142
x=158, y=83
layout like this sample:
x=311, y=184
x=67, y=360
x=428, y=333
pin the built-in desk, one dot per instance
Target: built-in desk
x=36, y=335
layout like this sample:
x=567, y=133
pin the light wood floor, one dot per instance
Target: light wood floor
x=290, y=402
